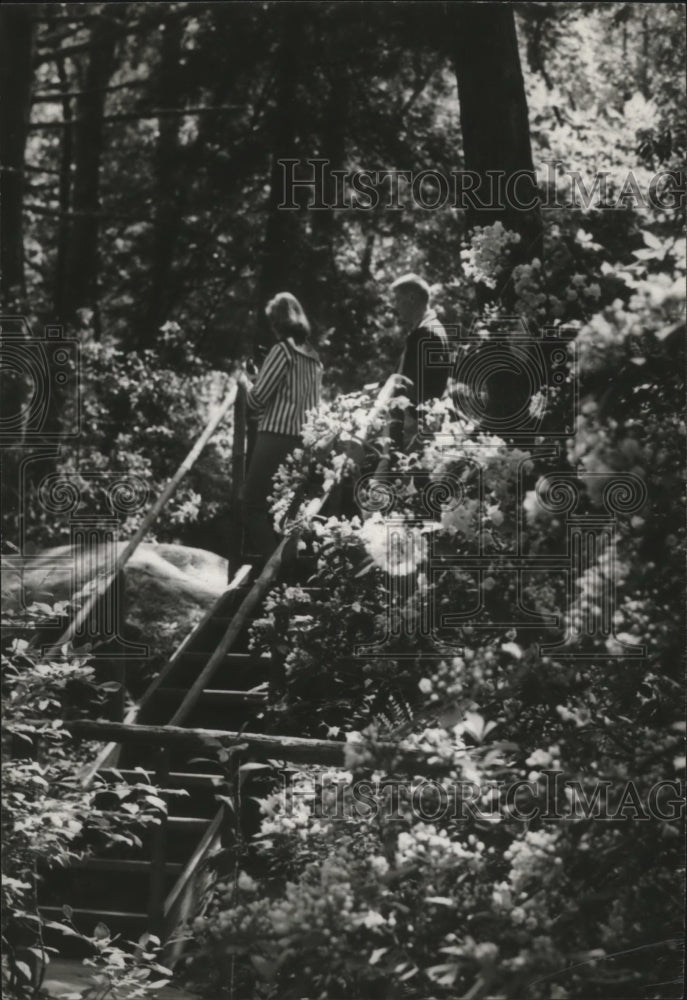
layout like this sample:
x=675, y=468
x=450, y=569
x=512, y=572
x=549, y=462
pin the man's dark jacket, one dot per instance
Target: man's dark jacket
x=426, y=381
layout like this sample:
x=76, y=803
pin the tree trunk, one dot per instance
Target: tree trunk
x=334, y=128
x=645, y=63
x=81, y=270
x=322, y=270
x=65, y=185
x=536, y=18
x=279, y=248
x=493, y=112
x=496, y=142
x=168, y=193
x=17, y=37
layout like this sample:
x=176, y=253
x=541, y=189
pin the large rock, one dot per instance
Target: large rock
x=167, y=588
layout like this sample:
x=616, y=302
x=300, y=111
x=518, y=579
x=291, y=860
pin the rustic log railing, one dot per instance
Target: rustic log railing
x=236, y=398
x=238, y=622
x=105, y=583
x=162, y=912
x=257, y=746
x=179, y=904
x=271, y=569
x=238, y=475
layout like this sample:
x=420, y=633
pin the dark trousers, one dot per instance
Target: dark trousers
x=270, y=451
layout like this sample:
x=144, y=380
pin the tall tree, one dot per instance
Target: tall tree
x=494, y=122
x=64, y=187
x=333, y=131
x=280, y=232
x=81, y=268
x=17, y=37
x=168, y=193
x=496, y=144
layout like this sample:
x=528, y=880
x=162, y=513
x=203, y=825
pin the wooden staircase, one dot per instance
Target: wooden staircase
x=213, y=690
x=164, y=740
x=153, y=889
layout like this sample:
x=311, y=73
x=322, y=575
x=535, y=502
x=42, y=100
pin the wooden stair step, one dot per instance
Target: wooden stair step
x=204, y=654
x=247, y=659
x=175, y=779
x=225, y=618
x=134, y=866
x=106, y=916
x=231, y=659
x=182, y=823
x=235, y=671
x=194, y=646
x=188, y=823
x=216, y=696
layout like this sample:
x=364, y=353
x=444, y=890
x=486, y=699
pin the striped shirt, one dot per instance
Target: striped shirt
x=286, y=388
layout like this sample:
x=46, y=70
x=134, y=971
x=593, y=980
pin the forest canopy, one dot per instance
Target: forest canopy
x=168, y=168
x=141, y=177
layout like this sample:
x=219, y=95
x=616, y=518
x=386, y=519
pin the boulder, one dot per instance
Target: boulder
x=166, y=590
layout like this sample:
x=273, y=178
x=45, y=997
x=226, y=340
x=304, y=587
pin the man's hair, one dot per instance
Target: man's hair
x=287, y=315
x=412, y=283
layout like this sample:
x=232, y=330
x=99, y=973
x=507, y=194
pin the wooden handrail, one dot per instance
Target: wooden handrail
x=191, y=866
x=253, y=745
x=238, y=473
x=108, y=755
x=239, y=579
x=158, y=847
x=106, y=582
x=257, y=746
x=271, y=569
x=179, y=902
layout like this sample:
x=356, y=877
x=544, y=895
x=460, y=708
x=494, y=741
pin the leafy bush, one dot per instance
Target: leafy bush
x=142, y=412
x=501, y=899
x=49, y=818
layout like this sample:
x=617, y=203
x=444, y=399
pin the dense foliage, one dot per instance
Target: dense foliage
x=530, y=893
x=51, y=819
x=170, y=215
x=501, y=896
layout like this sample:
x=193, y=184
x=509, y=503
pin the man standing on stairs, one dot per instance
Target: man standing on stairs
x=419, y=380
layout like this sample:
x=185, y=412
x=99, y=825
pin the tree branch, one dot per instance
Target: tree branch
x=135, y=116
x=55, y=96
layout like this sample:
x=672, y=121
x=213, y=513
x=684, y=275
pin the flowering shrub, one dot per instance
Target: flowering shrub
x=482, y=256
x=332, y=448
x=48, y=817
x=542, y=717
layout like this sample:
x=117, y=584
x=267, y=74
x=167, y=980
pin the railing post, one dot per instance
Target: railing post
x=277, y=670
x=158, y=850
x=238, y=475
x=120, y=664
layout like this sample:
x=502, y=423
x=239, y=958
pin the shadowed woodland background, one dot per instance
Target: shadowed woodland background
x=140, y=192
x=140, y=184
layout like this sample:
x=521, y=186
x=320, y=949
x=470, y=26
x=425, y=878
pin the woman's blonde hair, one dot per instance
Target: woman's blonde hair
x=286, y=315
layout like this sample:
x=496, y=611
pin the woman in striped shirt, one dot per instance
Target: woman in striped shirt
x=287, y=386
